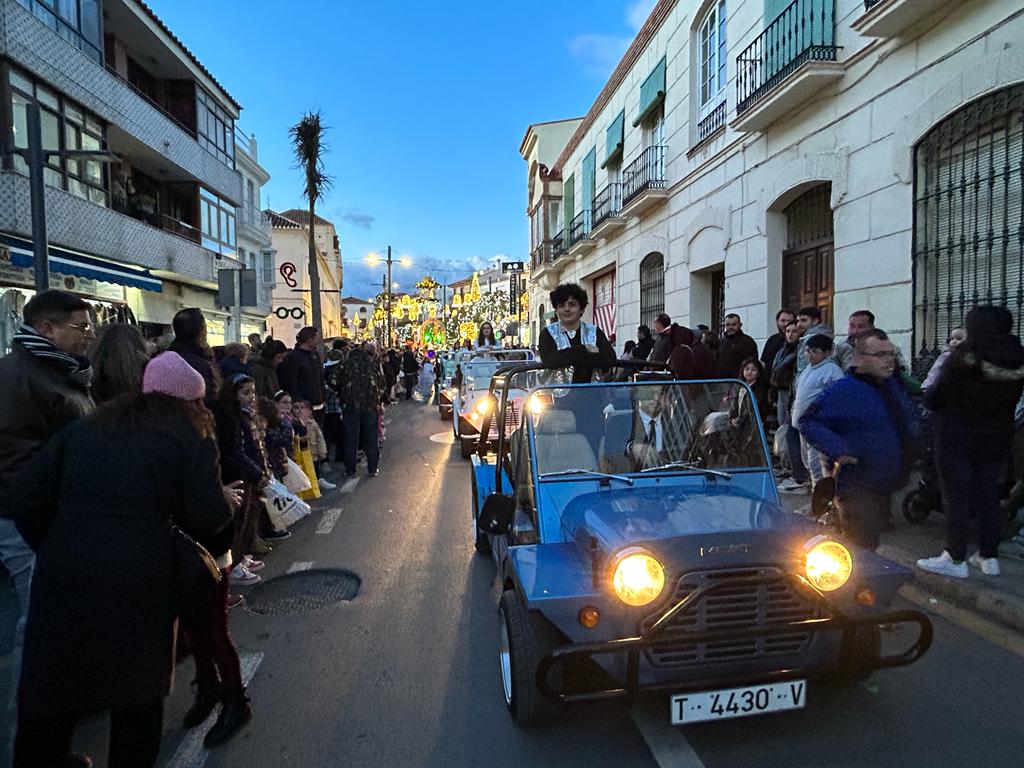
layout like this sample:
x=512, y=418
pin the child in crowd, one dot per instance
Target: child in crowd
x=317, y=445
x=821, y=371
x=956, y=337
x=741, y=410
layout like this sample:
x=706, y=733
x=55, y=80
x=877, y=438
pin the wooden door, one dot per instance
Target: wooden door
x=808, y=280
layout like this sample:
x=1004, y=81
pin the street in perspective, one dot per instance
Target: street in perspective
x=608, y=383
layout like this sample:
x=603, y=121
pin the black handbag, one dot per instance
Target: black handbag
x=195, y=569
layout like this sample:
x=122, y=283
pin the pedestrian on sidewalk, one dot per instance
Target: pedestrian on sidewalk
x=264, y=368
x=782, y=379
x=360, y=393
x=333, y=435
x=974, y=401
x=409, y=370
x=734, y=348
x=810, y=384
x=96, y=505
x=301, y=373
x=44, y=386
x=190, y=343
x=118, y=358
x=776, y=341
x=866, y=427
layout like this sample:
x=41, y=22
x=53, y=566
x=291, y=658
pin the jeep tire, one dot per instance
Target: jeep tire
x=861, y=645
x=526, y=638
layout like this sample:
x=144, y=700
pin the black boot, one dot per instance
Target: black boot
x=74, y=760
x=234, y=714
x=201, y=709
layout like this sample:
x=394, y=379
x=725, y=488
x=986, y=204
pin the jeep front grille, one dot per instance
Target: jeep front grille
x=746, y=598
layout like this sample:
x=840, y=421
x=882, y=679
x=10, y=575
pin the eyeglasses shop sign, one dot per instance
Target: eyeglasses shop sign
x=24, y=277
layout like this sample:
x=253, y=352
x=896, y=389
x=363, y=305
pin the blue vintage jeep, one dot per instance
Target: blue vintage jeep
x=641, y=546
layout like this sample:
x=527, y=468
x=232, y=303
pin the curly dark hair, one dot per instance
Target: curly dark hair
x=567, y=291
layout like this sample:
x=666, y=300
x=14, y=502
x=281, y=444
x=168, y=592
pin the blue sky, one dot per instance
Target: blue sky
x=427, y=104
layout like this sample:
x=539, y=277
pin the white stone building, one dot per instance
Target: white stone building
x=748, y=156
x=255, y=248
x=356, y=316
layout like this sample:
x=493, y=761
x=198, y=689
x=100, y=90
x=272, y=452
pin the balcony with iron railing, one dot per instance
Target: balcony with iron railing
x=538, y=256
x=794, y=58
x=643, y=182
x=607, y=205
x=144, y=212
x=711, y=125
x=559, y=245
x=580, y=241
x=890, y=18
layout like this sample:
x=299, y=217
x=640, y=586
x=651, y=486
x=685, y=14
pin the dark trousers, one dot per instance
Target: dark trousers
x=333, y=435
x=44, y=742
x=409, y=382
x=970, y=485
x=796, y=459
x=360, y=428
x=864, y=514
x=218, y=671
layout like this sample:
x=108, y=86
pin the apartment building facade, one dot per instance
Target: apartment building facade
x=142, y=236
x=255, y=246
x=751, y=155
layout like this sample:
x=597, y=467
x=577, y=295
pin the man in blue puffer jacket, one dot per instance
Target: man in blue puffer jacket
x=865, y=424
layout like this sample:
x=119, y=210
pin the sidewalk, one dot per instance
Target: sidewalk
x=1000, y=599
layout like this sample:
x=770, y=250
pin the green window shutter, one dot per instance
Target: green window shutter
x=568, y=200
x=772, y=9
x=652, y=92
x=614, y=137
x=589, y=178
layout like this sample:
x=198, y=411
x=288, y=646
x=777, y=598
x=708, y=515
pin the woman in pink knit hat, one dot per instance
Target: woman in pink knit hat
x=96, y=504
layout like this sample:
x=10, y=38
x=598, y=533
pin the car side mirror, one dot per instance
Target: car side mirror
x=496, y=516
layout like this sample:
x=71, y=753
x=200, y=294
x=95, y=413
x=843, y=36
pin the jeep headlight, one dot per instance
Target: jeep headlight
x=483, y=407
x=637, y=578
x=828, y=564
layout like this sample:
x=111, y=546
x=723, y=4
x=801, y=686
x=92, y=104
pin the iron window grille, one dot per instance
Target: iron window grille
x=968, y=244
x=804, y=31
x=809, y=219
x=652, y=288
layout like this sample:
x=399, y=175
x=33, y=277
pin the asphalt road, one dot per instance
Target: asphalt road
x=406, y=674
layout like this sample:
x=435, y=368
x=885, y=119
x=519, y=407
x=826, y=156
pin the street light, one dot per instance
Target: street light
x=36, y=158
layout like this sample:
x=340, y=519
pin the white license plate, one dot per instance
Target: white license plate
x=738, y=702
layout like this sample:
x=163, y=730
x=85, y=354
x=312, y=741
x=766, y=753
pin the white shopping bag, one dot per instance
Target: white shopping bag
x=284, y=507
x=295, y=480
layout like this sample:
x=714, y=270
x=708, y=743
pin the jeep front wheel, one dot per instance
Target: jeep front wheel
x=525, y=640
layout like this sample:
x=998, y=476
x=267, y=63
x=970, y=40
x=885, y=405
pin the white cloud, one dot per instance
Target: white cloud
x=601, y=52
x=637, y=13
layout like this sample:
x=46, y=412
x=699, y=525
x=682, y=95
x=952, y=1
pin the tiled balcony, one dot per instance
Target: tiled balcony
x=891, y=18
x=643, y=183
x=794, y=58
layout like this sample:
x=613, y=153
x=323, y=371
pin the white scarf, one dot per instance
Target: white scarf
x=562, y=337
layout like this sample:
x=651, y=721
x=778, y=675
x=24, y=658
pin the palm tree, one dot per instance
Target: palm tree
x=307, y=141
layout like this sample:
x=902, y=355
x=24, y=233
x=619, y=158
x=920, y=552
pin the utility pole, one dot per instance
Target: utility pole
x=389, y=296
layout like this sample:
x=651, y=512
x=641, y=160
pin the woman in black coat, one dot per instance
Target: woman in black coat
x=96, y=505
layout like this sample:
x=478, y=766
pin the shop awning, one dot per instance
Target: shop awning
x=78, y=264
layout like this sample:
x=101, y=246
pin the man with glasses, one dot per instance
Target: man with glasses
x=865, y=425
x=44, y=385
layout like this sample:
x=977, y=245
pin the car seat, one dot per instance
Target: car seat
x=559, y=445
x=613, y=452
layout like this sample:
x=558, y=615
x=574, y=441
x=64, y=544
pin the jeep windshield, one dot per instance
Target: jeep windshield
x=646, y=428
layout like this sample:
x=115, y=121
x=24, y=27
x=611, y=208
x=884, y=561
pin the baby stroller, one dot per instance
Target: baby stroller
x=922, y=500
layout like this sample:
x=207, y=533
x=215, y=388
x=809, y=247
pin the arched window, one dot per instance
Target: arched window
x=540, y=314
x=652, y=288
x=968, y=220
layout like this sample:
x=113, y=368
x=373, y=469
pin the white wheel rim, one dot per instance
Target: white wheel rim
x=505, y=655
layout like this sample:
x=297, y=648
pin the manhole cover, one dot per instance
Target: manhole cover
x=301, y=592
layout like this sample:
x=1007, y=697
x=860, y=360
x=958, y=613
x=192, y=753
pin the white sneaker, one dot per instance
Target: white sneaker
x=243, y=577
x=252, y=565
x=326, y=484
x=987, y=565
x=792, y=486
x=944, y=565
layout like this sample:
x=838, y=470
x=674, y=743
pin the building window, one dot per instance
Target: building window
x=268, y=267
x=65, y=126
x=712, y=58
x=968, y=219
x=215, y=128
x=77, y=21
x=217, y=218
x=652, y=288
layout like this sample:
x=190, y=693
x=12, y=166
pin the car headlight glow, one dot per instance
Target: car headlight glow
x=638, y=578
x=483, y=406
x=828, y=564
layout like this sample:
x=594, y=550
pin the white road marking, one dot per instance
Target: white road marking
x=328, y=521
x=190, y=752
x=300, y=565
x=349, y=485
x=666, y=742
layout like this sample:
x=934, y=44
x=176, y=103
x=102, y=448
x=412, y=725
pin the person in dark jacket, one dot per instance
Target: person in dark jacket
x=44, y=386
x=734, y=348
x=776, y=341
x=190, y=343
x=96, y=504
x=360, y=392
x=668, y=336
x=705, y=356
x=781, y=385
x=301, y=373
x=409, y=370
x=264, y=368
x=974, y=401
x=572, y=343
x=865, y=425
x=118, y=358
x=644, y=343
x=235, y=360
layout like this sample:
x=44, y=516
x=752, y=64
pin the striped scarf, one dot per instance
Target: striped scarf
x=79, y=371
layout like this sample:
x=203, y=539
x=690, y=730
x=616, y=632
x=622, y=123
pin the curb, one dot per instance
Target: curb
x=993, y=604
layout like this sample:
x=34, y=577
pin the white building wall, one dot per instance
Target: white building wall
x=858, y=134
